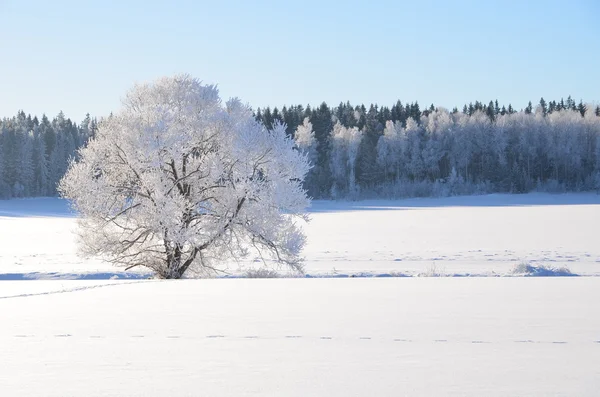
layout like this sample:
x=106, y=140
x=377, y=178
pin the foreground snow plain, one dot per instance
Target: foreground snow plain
x=423, y=336
x=303, y=337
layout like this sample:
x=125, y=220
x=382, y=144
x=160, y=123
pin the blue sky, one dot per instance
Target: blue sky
x=80, y=57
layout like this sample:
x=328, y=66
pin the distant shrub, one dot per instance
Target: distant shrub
x=433, y=271
x=261, y=273
x=527, y=270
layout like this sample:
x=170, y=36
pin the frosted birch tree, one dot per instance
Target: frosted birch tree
x=390, y=149
x=305, y=140
x=345, y=143
x=179, y=183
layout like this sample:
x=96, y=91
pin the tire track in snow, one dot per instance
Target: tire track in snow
x=75, y=289
x=324, y=337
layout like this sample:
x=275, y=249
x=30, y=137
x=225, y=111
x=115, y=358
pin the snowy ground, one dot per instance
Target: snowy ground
x=461, y=336
x=479, y=235
x=302, y=337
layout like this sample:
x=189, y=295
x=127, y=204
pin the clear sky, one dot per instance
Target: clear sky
x=81, y=57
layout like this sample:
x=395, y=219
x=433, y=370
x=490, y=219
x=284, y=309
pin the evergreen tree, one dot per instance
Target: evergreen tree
x=322, y=125
x=581, y=108
x=562, y=105
x=543, y=106
x=490, y=111
x=366, y=169
x=471, y=109
x=40, y=164
x=571, y=104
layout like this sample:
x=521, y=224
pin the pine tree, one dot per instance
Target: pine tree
x=571, y=103
x=40, y=164
x=322, y=125
x=366, y=169
x=4, y=188
x=258, y=116
x=490, y=111
x=471, y=109
x=267, y=118
x=581, y=108
x=543, y=106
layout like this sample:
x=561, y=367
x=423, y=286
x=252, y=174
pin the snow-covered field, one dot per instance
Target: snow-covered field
x=479, y=235
x=474, y=336
x=303, y=337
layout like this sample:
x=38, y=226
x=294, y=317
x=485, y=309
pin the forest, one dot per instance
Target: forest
x=375, y=152
x=35, y=153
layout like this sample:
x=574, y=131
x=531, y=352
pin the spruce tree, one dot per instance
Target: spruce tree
x=581, y=108
x=543, y=106
x=490, y=111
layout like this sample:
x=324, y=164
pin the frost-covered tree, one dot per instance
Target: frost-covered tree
x=437, y=124
x=307, y=144
x=414, y=136
x=344, y=147
x=462, y=150
x=305, y=140
x=390, y=150
x=179, y=183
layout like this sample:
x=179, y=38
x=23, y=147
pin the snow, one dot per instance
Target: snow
x=304, y=337
x=477, y=235
x=473, y=235
x=418, y=336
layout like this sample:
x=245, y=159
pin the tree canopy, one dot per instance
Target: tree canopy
x=178, y=182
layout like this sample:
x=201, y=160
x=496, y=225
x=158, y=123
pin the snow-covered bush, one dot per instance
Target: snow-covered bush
x=261, y=273
x=177, y=181
x=527, y=270
x=433, y=271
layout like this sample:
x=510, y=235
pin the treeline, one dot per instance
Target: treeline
x=402, y=151
x=35, y=153
x=398, y=151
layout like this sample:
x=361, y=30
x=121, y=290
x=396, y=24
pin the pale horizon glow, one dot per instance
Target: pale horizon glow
x=82, y=58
